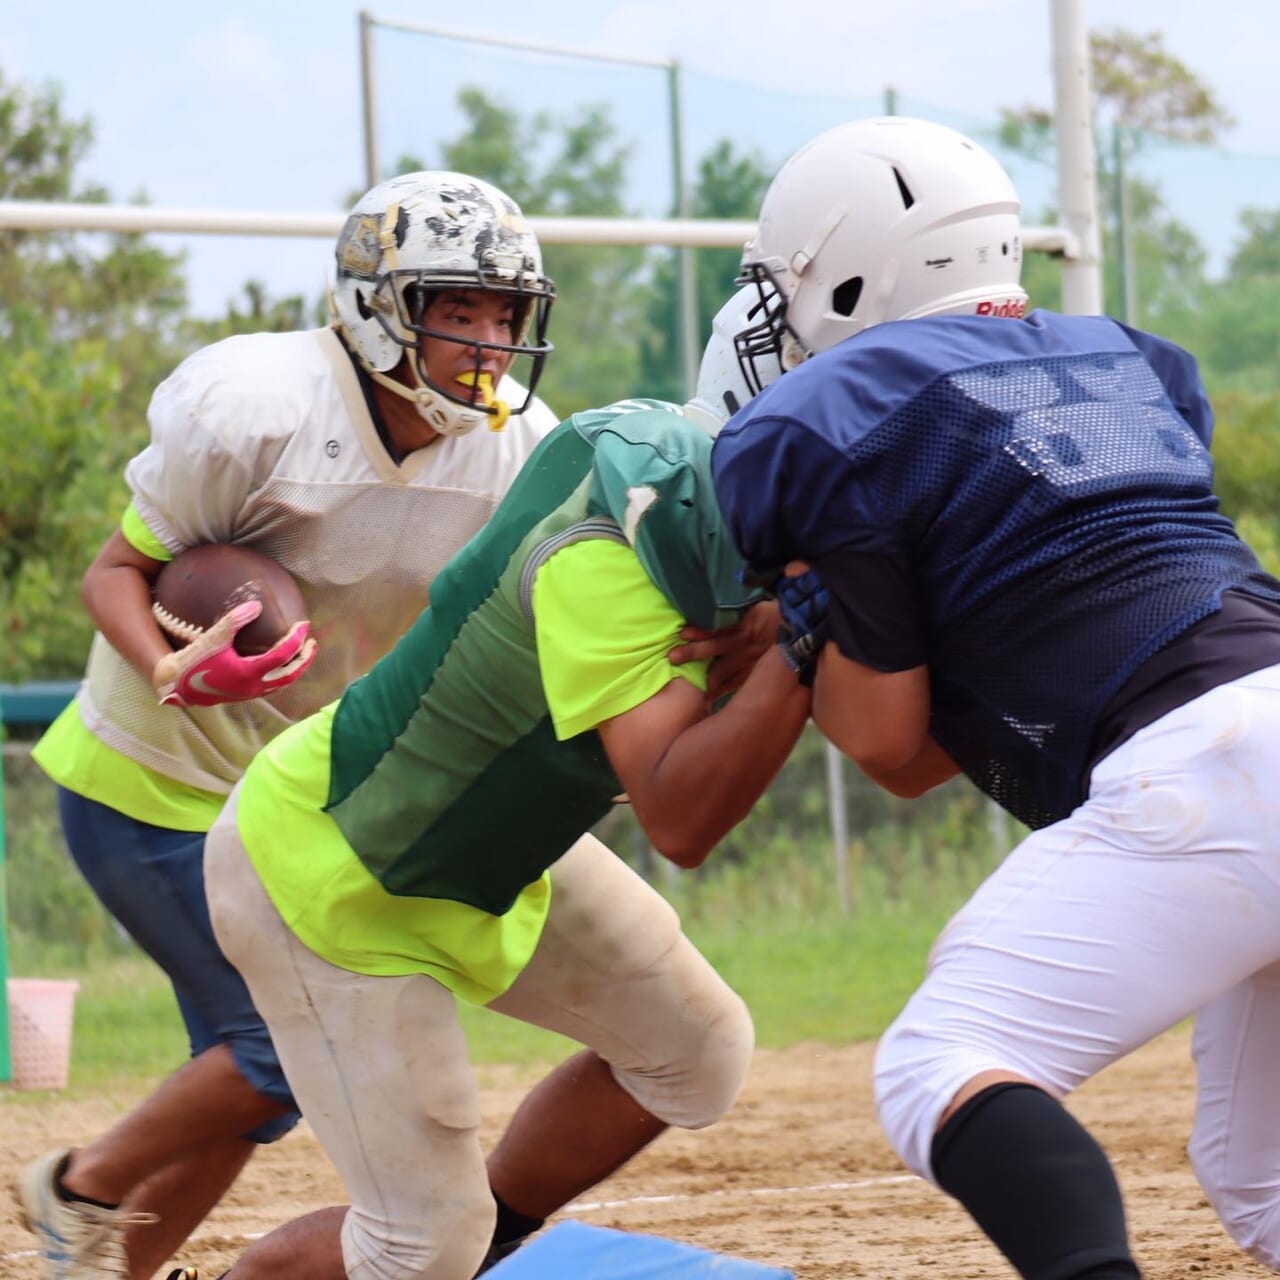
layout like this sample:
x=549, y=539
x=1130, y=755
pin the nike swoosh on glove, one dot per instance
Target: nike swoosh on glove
x=209, y=671
x=806, y=622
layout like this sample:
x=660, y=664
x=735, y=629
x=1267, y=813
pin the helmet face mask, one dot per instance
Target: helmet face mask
x=882, y=219
x=418, y=235
x=529, y=315
x=725, y=383
x=767, y=344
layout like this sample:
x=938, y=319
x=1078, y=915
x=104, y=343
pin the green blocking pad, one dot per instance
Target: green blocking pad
x=575, y=1251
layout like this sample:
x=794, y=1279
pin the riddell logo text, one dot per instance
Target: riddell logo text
x=1014, y=309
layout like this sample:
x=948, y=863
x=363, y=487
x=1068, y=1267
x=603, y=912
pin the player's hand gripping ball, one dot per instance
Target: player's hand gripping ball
x=806, y=621
x=240, y=620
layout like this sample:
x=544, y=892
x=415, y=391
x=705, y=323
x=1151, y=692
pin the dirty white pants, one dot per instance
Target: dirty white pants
x=379, y=1066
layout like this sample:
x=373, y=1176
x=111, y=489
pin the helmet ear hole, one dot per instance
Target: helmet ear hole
x=844, y=297
x=903, y=190
x=362, y=306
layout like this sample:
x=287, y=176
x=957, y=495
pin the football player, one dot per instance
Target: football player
x=998, y=553
x=361, y=456
x=406, y=848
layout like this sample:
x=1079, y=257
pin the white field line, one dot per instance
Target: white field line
x=589, y=1206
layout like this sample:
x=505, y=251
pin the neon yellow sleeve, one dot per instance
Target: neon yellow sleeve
x=140, y=538
x=604, y=632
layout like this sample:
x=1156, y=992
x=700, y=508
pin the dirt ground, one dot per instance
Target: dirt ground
x=798, y=1176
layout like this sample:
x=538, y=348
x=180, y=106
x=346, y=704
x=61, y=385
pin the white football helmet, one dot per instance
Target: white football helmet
x=722, y=386
x=888, y=218
x=423, y=232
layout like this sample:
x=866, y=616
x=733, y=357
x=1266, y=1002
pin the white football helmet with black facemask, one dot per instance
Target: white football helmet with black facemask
x=722, y=387
x=413, y=236
x=888, y=218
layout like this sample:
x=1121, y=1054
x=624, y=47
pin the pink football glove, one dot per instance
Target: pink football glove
x=209, y=671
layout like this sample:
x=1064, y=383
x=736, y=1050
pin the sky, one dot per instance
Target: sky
x=257, y=106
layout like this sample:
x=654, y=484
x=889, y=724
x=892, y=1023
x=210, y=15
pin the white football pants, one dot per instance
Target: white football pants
x=379, y=1065
x=1157, y=899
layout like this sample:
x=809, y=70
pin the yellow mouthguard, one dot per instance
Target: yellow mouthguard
x=501, y=410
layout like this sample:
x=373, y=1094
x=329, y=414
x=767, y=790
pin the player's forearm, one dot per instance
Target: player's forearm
x=716, y=770
x=118, y=599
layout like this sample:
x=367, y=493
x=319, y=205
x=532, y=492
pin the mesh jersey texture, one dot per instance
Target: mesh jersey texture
x=265, y=440
x=447, y=779
x=1049, y=480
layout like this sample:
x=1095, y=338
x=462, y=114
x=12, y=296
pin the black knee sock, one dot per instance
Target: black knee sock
x=72, y=1197
x=512, y=1225
x=508, y=1233
x=1036, y=1183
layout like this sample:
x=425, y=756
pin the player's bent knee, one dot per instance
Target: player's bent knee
x=923, y=1062
x=726, y=1058
x=698, y=1090
x=909, y=1096
x=454, y=1245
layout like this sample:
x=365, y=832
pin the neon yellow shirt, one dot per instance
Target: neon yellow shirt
x=603, y=631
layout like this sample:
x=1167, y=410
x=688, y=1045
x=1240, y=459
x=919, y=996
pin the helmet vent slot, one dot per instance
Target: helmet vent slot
x=844, y=297
x=903, y=190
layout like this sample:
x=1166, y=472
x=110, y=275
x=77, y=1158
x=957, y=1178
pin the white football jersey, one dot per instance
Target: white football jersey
x=266, y=440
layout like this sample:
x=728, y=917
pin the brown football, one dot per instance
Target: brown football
x=198, y=586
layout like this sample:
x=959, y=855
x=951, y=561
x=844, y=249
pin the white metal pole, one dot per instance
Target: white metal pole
x=837, y=801
x=128, y=219
x=690, y=338
x=40, y=215
x=1077, y=175
x=372, y=167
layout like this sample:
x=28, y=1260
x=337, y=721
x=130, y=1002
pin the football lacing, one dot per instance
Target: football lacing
x=174, y=625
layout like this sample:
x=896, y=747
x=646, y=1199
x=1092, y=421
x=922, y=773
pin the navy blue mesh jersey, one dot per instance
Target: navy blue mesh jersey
x=1050, y=484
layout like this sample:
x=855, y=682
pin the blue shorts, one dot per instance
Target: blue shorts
x=152, y=880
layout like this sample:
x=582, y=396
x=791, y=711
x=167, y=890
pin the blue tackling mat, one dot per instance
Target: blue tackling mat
x=575, y=1251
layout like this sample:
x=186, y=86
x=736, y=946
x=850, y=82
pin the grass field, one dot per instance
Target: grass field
x=807, y=971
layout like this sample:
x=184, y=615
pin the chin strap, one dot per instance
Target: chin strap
x=447, y=416
x=441, y=413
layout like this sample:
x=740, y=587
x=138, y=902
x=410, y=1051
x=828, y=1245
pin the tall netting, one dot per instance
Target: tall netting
x=1188, y=231
x=419, y=81
x=1201, y=253
x=567, y=134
